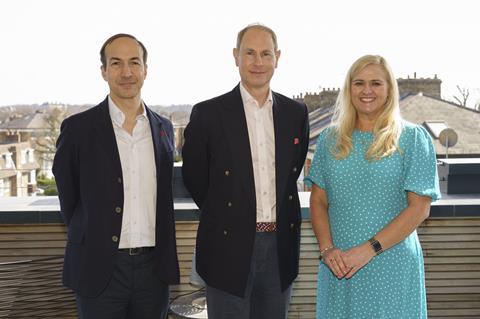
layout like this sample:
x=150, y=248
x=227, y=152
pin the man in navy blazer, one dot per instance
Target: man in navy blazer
x=113, y=169
x=242, y=156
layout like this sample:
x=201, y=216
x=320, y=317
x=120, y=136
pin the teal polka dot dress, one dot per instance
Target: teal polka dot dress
x=364, y=196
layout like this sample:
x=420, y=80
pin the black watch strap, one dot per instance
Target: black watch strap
x=376, y=246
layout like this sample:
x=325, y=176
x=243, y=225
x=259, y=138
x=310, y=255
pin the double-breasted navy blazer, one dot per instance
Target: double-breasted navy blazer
x=89, y=178
x=218, y=172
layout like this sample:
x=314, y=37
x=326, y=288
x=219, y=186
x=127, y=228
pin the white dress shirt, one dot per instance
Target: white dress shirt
x=139, y=179
x=262, y=145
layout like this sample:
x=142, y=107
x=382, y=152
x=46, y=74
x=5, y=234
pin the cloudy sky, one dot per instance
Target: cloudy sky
x=50, y=48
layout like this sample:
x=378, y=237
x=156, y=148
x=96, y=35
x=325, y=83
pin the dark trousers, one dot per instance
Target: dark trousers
x=134, y=292
x=263, y=298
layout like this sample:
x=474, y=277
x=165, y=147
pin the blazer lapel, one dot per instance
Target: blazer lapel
x=236, y=131
x=282, y=148
x=157, y=136
x=106, y=136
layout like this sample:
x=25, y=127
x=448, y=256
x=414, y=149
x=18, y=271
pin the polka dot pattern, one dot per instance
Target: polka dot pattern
x=363, y=197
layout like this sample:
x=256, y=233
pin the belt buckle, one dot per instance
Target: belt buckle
x=134, y=251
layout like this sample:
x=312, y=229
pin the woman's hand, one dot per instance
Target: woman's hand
x=357, y=257
x=334, y=259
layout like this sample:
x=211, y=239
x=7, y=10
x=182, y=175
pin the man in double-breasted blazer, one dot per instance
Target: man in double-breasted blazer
x=242, y=156
x=113, y=169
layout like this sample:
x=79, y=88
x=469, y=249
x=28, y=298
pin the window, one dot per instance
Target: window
x=435, y=127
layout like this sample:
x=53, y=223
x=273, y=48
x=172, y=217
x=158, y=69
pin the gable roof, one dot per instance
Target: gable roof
x=464, y=121
x=34, y=121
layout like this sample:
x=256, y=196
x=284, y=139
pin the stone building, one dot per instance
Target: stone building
x=325, y=98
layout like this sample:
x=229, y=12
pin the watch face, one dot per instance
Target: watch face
x=377, y=247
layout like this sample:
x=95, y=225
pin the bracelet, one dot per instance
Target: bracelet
x=376, y=246
x=324, y=250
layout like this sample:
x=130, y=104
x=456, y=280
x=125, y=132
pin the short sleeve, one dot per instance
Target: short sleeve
x=317, y=169
x=420, y=166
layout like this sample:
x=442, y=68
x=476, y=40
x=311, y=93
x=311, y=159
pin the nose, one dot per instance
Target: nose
x=367, y=89
x=126, y=71
x=258, y=59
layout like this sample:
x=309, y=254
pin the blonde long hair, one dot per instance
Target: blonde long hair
x=387, y=128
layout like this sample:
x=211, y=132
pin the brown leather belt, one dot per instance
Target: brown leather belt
x=266, y=227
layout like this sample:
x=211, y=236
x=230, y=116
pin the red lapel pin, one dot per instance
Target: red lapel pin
x=296, y=141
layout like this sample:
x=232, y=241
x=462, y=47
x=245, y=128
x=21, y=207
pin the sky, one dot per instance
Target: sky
x=50, y=48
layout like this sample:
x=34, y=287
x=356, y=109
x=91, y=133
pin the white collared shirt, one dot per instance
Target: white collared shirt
x=139, y=179
x=262, y=145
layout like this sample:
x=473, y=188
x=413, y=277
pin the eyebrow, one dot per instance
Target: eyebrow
x=131, y=59
x=362, y=80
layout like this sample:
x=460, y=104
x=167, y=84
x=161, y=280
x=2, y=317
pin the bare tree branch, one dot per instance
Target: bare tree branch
x=463, y=97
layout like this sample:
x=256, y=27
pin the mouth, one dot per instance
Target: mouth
x=257, y=72
x=126, y=83
x=367, y=99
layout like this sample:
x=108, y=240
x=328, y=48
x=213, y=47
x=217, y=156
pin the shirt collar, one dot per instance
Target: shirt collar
x=117, y=115
x=248, y=99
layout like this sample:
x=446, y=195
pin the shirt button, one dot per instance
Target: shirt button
x=290, y=197
x=114, y=239
x=118, y=209
x=229, y=204
x=227, y=172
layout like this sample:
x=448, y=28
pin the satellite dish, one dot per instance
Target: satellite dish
x=448, y=137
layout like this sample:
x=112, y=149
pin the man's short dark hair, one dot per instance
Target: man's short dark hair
x=103, y=58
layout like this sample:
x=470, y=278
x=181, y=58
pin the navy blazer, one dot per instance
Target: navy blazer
x=218, y=172
x=89, y=178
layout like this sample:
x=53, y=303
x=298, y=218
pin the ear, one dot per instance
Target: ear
x=235, y=56
x=145, y=71
x=277, y=57
x=104, y=73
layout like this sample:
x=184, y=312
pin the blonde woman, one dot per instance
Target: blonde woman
x=374, y=177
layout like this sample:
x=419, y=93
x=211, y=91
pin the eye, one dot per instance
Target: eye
x=377, y=83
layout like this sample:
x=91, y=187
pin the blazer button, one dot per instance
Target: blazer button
x=118, y=209
x=114, y=239
x=229, y=204
x=119, y=180
x=225, y=232
x=227, y=173
x=292, y=225
x=290, y=197
x=294, y=169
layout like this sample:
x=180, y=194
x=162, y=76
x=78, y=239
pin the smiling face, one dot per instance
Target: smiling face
x=125, y=69
x=369, y=91
x=256, y=59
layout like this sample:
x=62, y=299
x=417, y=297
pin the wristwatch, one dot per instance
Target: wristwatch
x=376, y=246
